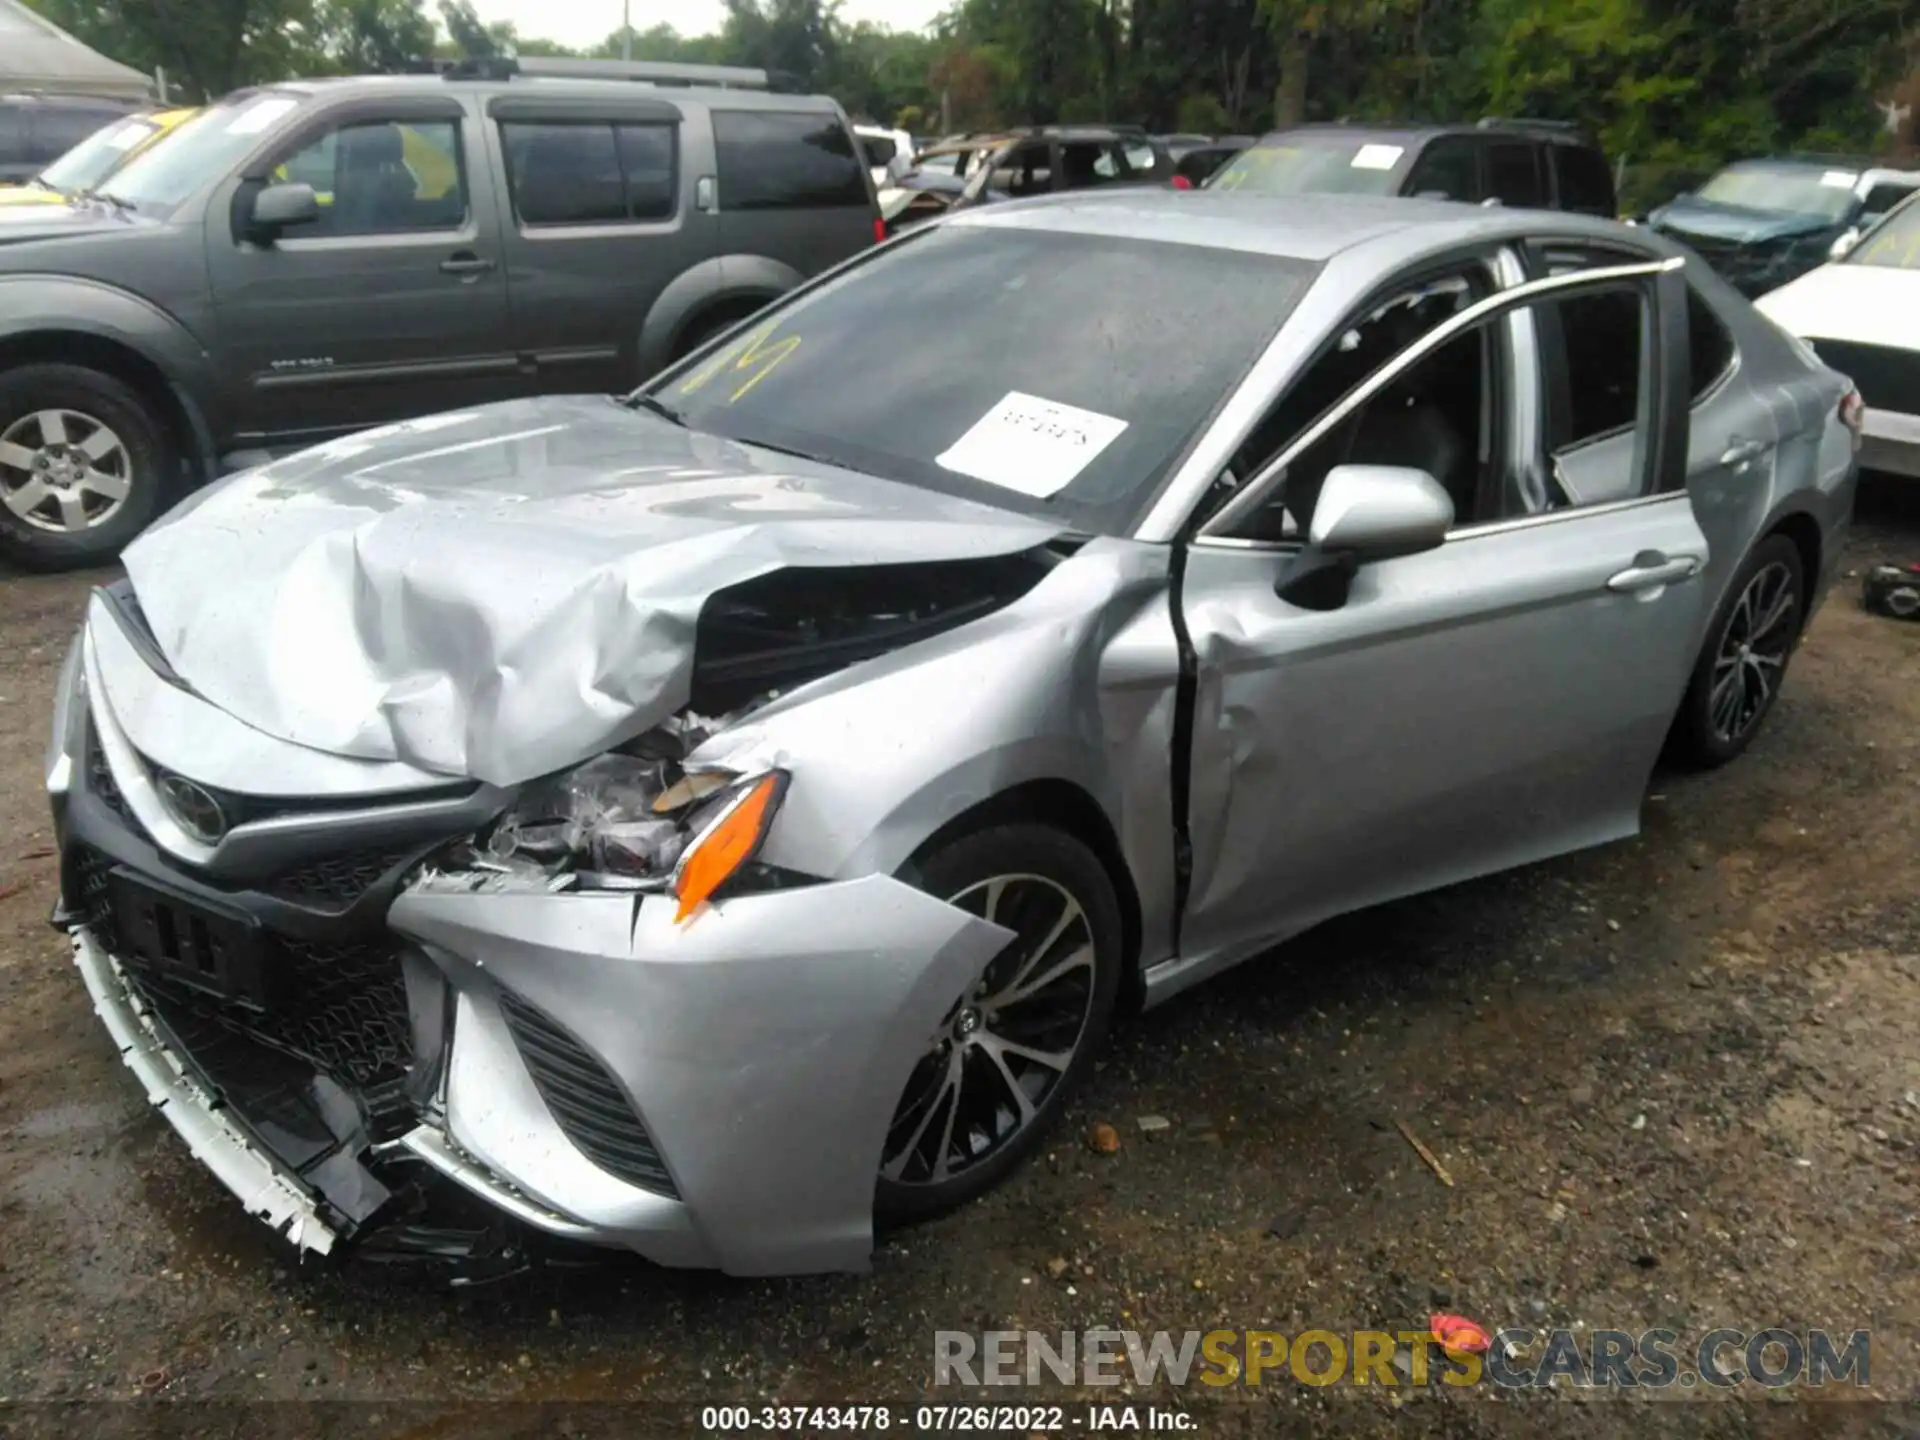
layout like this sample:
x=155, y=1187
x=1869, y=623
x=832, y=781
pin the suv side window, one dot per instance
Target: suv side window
x=787, y=160
x=1585, y=184
x=383, y=177
x=589, y=173
x=1513, y=174
x=1090, y=162
x=1449, y=166
x=1882, y=198
x=58, y=128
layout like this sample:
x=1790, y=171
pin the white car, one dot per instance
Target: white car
x=1862, y=315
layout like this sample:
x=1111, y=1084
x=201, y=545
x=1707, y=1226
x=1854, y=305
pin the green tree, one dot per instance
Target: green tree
x=207, y=47
x=375, y=36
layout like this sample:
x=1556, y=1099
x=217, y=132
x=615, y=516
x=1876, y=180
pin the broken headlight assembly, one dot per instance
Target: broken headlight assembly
x=634, y=819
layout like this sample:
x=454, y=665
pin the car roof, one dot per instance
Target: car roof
x=1412, y=132
x=1312, y=228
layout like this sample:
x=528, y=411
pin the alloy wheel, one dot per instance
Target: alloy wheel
x=1003, y=1049
x=1753, y=650
x=63, y=470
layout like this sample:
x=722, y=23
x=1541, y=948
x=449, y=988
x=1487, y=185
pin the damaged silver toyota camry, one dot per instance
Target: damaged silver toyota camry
x=707, y=821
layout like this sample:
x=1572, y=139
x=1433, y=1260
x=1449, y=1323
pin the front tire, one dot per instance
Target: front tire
x=1010, y=1053
x=1741, y=667
x=84, y=463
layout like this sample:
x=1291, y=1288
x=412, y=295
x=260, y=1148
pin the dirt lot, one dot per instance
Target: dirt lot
x=1676, y=1082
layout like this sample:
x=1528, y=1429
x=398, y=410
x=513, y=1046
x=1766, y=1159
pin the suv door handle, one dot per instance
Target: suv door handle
x=1651, y=569
x=1744, y=452
x=466, y=264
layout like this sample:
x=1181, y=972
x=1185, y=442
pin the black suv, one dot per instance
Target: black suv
x=1528, y=164
x=36, y=130
x=300, y=261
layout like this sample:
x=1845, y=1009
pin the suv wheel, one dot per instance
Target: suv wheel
x=83, y=465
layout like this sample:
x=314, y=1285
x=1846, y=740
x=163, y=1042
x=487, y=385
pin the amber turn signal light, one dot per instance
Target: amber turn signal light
x=728, y=843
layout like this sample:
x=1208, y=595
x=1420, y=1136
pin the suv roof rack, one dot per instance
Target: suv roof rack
x=646, y=72
x=1500, y=122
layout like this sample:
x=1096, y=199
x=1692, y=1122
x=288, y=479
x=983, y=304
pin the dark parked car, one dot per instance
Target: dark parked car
x=36, y=130
x=1529, y=164
x=305, y=260
x=1050, y=158
x=1761, y=223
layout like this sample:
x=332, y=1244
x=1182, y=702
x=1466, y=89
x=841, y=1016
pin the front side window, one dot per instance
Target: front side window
x=203, y=149
x=589, y=172
x=1449, y=169
x=1066, y=374
x=787, y=160
x=1895, y=242
x=382, y=177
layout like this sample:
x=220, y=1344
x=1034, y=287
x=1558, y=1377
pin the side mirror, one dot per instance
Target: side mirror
x=279, y=206
x=1844, y=242
x=1364, y=513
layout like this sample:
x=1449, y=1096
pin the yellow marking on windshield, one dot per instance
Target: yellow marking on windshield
x=757, y=356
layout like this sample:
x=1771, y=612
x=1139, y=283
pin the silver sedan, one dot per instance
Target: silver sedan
x=709, y=821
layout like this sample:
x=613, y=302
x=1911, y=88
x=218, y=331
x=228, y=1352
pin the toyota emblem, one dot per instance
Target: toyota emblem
x=194, y=809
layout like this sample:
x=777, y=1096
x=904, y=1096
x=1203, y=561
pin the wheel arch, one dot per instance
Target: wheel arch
x=1804, y=531
x=1067, y=807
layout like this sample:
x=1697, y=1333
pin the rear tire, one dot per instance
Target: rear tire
x=84, y=465
x=1741, y=667
x=974, y=1108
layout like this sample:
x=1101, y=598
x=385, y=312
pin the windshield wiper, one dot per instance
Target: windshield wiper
x=124, y=207
x=640, y=400
x=759, y=444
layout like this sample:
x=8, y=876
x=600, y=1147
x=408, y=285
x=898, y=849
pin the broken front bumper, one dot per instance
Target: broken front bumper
x=714, y=1093
x=708, y=1094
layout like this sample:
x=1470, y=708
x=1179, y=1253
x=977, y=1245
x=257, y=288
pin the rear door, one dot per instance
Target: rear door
x=393, y=304
x=600, y=220
x=792, y=186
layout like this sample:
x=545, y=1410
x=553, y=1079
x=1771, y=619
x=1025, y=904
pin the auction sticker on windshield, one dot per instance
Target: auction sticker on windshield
x=260, y=115
x=1031, y=445
x=1377, y=157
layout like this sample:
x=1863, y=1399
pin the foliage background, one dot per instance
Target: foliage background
x=1672, y=87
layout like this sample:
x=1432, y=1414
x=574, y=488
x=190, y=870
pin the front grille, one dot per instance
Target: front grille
x=1888, y=379
x=336, y=882
x=339, y=1006
x=586, y=1101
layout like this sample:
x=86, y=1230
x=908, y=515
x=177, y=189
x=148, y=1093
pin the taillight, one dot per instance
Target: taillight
x=879, y=231
x=1853, y=414
x=1181, y=182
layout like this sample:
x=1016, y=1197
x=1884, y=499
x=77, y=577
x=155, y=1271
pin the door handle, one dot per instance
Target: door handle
x=1744, y=452
x=1651, y=569
x=466, y=265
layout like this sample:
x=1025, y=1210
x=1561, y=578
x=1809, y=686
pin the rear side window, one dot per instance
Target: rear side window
x=1601, y=335
x=1513, y=175
x=1585, y=184
x=781, y=160
x=1882, y=198
x=589, y=173
x=1709, y=345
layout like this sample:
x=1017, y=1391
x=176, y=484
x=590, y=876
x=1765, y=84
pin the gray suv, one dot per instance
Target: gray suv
x=304, y=260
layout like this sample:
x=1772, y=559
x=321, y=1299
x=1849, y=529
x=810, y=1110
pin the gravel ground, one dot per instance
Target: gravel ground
x=1675, y=1082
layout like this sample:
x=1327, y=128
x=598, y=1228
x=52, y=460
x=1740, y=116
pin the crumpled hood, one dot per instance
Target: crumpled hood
x=1690, y=215
x=500, y=592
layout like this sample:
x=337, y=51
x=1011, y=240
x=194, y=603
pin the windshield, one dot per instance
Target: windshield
x=161, y=176
x=1055, y=374
x=1893, y=244
x=1311, y=165
x=94, y=158
x=1790, y=189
